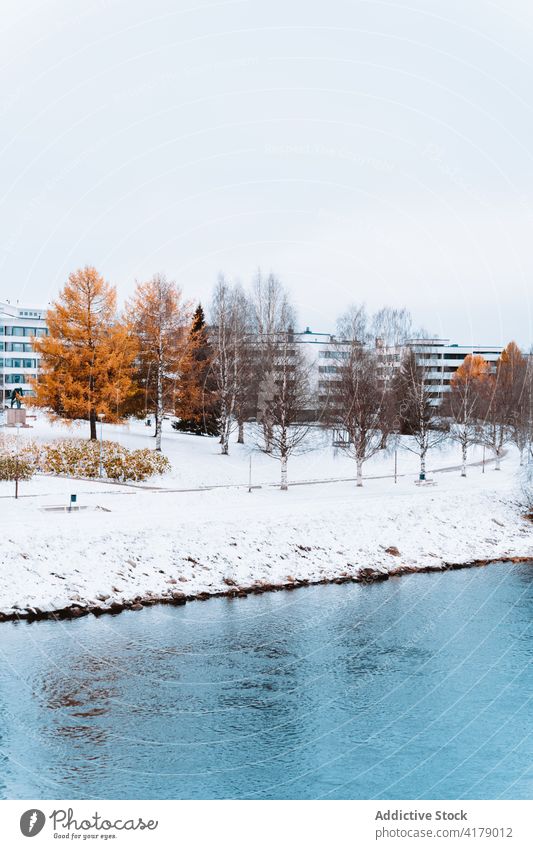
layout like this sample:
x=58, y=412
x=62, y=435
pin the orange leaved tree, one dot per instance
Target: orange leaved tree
x=505, y=410
x=464, y=403
x=158, y=318
x=87, y=357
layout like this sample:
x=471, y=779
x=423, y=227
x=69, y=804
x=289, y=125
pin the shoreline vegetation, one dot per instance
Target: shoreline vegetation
x=177, y=598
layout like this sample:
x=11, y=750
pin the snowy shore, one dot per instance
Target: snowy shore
x=132, y=547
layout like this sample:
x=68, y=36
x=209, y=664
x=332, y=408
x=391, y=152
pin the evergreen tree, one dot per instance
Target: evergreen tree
x=197, y=407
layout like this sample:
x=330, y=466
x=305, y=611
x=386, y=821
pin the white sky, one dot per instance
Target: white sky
x=376, y=151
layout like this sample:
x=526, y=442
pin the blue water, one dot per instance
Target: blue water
x=420, y=687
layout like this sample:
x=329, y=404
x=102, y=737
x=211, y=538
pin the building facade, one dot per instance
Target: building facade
x=19, y=362
x=441, y=359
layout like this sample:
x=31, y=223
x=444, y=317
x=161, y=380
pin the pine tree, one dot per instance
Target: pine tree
x=196, y=402
x=87, y=357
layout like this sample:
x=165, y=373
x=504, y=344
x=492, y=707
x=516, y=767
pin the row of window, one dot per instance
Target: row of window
x=335, y=355
x=16, y=378
x=8, y=393
x=19, y=347
x=8, y=362
x=9, y=330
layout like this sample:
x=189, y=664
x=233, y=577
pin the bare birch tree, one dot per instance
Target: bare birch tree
x=358, y=405
x=229, y=330
x=285, y=402
x=419, y=417
x=271, y=315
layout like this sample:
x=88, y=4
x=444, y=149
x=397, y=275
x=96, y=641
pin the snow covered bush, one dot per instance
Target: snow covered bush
x=71, y=457
x=12, y=467
x=81, y=458
x=17, y=462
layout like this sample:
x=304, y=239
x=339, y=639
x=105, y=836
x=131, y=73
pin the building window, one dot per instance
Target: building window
x=18, y=378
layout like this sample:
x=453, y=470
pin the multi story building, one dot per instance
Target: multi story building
x=19, y=362
x=441, y=359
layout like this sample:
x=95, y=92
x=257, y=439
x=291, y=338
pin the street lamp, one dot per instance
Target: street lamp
x=101, y=416
x=18, y=426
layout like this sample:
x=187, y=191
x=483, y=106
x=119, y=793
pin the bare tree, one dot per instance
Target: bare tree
x=358, y=406
x=418, y=416
x=285, y=400
x=159, y=320
x=391, y=328
x=228, y=334
x=463, y=404
x=246, y=399
x=271, y=315
x=522, y=416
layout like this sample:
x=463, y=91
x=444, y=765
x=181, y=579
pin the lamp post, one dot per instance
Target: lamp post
x=17, y=425
x=101, y=416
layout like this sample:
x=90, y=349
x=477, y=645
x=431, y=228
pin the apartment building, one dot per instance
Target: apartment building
x=19, y=362
x=441, y=359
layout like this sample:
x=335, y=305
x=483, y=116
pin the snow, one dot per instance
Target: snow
x=163, y=537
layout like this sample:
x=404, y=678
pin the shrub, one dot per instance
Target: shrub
x=81, y=458
x=17, y=462
x=12, y=467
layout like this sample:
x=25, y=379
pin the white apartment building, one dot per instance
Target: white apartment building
x=441, y=359
x=19, y=362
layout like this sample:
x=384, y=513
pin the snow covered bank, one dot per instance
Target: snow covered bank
x=146, y=545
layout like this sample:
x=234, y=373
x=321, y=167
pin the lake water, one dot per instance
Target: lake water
x=419, y=687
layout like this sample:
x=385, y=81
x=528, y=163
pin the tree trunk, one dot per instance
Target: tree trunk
x=284, y=483
x=224, y=444
x=423, y=465
x=159, y=410
x=92, y=422
x=359, y=466
x=463, y=462
x=497, y=466
x=240, y=435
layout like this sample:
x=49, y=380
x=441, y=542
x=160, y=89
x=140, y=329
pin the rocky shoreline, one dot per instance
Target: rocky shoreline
x=234, y=590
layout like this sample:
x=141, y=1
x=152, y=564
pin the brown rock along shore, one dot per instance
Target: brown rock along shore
x=177, y=598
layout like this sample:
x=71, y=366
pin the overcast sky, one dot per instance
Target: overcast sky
x=365, y=151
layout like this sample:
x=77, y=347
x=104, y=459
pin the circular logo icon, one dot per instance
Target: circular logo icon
x=32, y=822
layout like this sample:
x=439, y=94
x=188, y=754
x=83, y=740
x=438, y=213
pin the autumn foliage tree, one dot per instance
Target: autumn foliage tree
x=158, y=319
x=463, y=403
x=504, y=410
x=87, y=357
